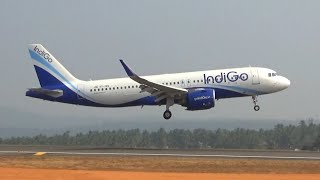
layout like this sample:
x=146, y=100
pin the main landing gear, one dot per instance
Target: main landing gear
x=255, y=101
x=167, y=114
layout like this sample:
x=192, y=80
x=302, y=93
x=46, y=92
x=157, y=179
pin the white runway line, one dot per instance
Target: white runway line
x=155, y=154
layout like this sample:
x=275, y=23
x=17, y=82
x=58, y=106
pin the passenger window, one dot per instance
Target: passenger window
x=106, y=89
x=197, y=80
x=177, y=82
x=174, y=82
x=90, y=90
x=109, y=88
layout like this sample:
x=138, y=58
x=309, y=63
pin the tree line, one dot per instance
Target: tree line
x=304, y=135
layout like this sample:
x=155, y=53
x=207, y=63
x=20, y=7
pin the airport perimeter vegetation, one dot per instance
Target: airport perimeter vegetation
x=302, y=136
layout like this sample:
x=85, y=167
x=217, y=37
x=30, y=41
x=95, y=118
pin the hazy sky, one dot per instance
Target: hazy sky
x=167, y=36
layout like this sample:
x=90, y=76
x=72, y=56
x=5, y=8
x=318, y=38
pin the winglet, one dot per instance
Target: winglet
x=127, y=69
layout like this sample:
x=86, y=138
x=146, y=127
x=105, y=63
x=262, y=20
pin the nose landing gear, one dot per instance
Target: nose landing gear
x=256, y=108
x=255, y=102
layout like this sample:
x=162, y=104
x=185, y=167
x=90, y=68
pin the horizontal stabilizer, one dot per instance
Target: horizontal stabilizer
x=53, y=93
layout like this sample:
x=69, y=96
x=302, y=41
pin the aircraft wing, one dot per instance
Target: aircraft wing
x=159, y=90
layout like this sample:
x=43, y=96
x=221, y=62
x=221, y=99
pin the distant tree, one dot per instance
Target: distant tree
x=162, y=138
x=201, y=138
x=305, y=135
x=316, y=144
x=145, y=139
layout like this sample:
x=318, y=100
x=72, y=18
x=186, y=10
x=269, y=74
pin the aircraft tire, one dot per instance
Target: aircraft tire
x=167, y=114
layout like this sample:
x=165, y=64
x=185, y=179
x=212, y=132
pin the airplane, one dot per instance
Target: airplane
x=194, y=90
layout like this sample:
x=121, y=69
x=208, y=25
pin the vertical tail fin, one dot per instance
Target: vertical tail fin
x=49, y=71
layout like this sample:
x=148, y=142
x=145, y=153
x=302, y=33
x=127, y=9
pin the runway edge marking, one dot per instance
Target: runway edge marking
x=39, y=153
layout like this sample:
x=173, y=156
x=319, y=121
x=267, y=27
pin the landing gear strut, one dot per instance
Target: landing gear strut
x=255, y=101
x=167, y=114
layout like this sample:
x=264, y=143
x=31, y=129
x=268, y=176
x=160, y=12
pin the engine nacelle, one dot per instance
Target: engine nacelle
x=200, y=99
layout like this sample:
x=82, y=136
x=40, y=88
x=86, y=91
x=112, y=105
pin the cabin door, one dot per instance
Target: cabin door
x=255, y=76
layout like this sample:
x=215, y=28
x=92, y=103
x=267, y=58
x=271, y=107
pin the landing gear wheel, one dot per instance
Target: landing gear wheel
x=167, y=114
x=255, y=101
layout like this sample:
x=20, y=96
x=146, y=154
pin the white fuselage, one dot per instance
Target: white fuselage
x=123, y=90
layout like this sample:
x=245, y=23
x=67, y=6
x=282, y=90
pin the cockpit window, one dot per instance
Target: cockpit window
x=272, y=74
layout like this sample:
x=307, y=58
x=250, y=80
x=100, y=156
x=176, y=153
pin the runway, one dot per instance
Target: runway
x=158, y=154
x=94, y=151
x=47, y=161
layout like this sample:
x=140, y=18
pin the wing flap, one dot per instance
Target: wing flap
x=53, y=93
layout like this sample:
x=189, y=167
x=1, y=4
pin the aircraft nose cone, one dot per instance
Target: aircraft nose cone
x=287, y=82
x=284, y=83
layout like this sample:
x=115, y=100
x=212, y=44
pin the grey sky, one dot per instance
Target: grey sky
x=88, y=37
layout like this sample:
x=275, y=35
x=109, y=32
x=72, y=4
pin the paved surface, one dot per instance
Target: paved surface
x=100, y=151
